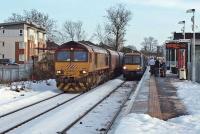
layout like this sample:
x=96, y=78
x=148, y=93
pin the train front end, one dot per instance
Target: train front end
x=72, y=67
x=133, y=65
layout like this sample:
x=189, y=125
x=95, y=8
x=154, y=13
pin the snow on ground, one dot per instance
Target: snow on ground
x=59, y=118
x=189, y=124
x=10, y=99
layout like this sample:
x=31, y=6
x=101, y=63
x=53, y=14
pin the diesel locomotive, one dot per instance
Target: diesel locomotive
x=82, y=65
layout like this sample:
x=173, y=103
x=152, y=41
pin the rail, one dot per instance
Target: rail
x=90, y=109
x=48, y=110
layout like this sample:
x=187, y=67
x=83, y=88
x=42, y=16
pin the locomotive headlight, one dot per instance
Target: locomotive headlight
x=124, y=67
x=138, y=68
x=58, y=71
x=83, y=72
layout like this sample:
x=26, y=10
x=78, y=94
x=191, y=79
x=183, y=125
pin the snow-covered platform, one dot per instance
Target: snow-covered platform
x=179, y=104
x=157, y=97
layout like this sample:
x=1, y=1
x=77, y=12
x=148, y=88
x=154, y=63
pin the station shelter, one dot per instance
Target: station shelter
x=177, y=57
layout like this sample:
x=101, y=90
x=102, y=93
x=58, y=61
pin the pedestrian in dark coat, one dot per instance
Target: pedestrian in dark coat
x=163, y=69
x=157, y=66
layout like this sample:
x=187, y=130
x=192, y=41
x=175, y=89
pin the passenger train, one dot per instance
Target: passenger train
x=82, y=65
x=134, y=65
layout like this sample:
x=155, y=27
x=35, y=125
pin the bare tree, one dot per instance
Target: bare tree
x=149, y=45
x=73, y=30
x=131, y=47
x=69, y=30
x=37, y=17
x=79, y=32
x=99, y=34
x=118, y=18
x=102, y=36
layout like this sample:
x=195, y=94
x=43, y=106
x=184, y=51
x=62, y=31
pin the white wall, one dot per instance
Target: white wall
x=9, y=38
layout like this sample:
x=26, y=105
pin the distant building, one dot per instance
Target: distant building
x=19, y=41
x=50, y=49
x=177, y=36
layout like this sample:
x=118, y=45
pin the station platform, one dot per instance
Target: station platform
x=158, y=97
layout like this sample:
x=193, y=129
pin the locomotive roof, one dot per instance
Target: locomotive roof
x=73, y=44
x=83, y=44
x=134, y=53
x=95, y=48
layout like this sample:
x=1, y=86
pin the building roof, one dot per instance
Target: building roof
x=51, y=45
x=178, y=36
x=21, y=23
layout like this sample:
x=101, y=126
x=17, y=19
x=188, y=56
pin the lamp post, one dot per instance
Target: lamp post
x=193, y=44
x=183, y=29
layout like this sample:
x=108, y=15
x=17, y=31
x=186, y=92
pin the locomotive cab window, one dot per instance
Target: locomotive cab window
x=63, y=56
x=80, y=56
x=132, y=60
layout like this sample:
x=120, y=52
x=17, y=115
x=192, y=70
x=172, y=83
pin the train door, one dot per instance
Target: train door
x=95, y=60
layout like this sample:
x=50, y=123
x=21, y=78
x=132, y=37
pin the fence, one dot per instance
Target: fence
x=10, y=73
x=197, y=76
x=198, y=71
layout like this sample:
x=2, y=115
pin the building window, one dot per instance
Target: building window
x=2, y=56
x=21, y=57
x=21, y=45
x=3, y=44
x=20, y=32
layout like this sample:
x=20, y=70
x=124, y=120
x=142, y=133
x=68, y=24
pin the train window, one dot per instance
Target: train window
x=132, y=60
x=80, y=56
x=63, y=56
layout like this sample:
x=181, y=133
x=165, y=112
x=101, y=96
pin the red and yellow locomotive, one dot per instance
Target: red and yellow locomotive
x=82, y=65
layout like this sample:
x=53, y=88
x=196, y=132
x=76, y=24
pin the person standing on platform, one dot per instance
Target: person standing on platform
x=157, y=66
x=163, y=68
x=152, y=64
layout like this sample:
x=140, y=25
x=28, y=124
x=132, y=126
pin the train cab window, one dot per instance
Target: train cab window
x=80, y=56
x=132, y=60
x=63, y=56
x=136, y=60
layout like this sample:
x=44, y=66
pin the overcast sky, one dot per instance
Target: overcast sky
x=157, y=18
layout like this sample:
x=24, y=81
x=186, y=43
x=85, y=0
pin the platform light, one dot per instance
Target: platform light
x=183, y=29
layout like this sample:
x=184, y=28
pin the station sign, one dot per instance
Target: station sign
x=176, y=45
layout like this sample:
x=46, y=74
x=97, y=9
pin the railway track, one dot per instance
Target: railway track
x=22, y=112
x=54, y=116
x=111, y=121
x=14, y=111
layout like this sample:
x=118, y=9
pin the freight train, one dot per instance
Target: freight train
x=82, y=65
x=134, y=65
